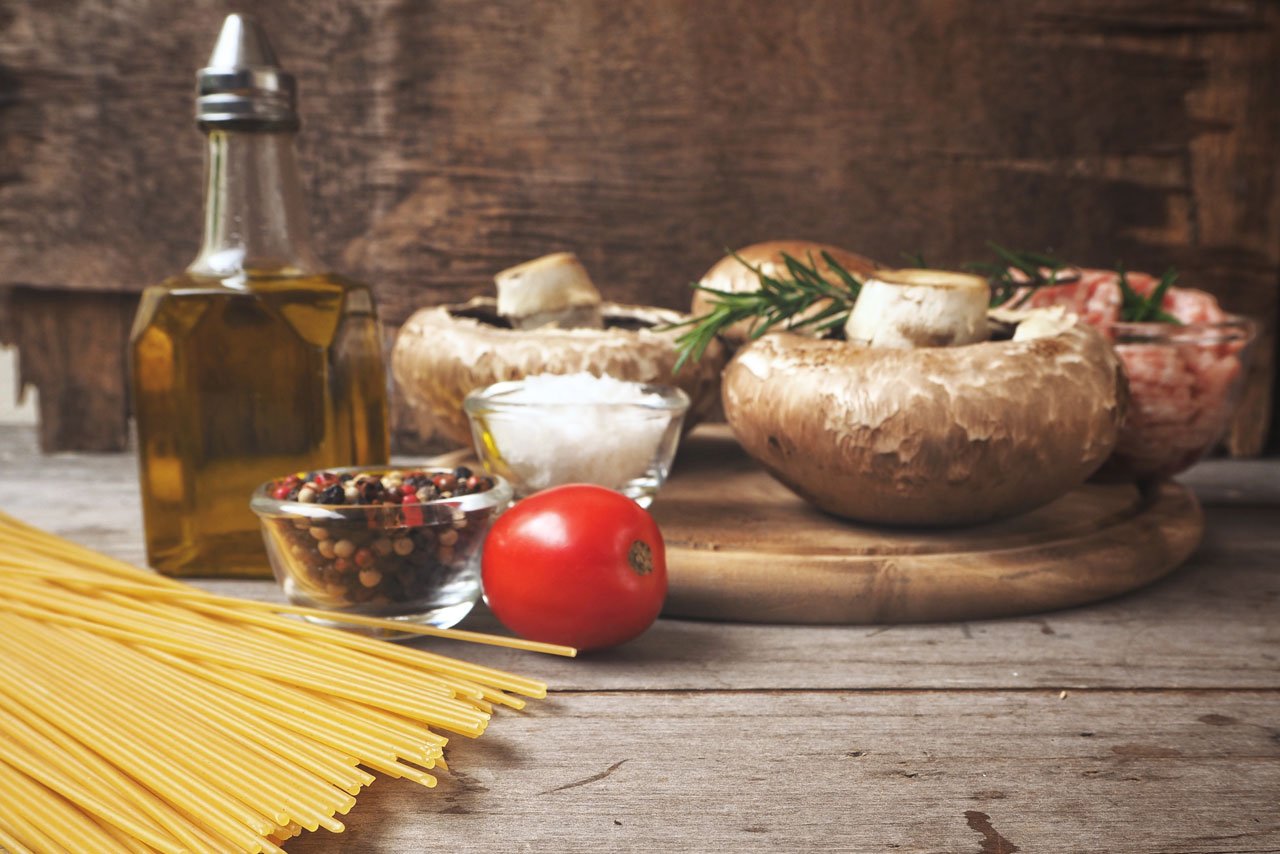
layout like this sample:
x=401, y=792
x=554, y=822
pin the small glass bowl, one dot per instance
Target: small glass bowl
x=536, y=445
x=418, y=562
x=1184, y=383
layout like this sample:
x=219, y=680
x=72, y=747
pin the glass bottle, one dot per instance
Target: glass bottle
x=253, y=363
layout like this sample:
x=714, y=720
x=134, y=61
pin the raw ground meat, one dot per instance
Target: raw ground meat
x=1096, y=298
x=1181, y=379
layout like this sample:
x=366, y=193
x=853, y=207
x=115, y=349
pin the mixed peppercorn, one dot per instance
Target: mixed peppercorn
x=395, y=555
x=393, y=487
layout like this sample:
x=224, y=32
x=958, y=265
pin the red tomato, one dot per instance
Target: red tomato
x=577, y=564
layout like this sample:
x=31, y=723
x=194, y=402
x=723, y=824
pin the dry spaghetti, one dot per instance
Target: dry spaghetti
x=141, y=715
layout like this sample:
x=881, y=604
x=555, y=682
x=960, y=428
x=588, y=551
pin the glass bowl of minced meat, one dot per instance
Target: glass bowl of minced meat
x=1184, y=383
x=1185, y=362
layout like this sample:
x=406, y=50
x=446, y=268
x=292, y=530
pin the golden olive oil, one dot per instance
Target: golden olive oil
x=240, y=380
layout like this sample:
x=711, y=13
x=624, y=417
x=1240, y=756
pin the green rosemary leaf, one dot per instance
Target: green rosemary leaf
x=915, y=259
x=834, y=309
x=809, y=277
x=1004, y=286
x=799, y=271
x=1157, y=296
x=761, y=328
x=1131, y=303
x=1135, y=308
x=743, y=261
x=698, y=286
x=1017, y=261
x=985, y=267
x=694, y=343
x=779, y=299
x=851, y=282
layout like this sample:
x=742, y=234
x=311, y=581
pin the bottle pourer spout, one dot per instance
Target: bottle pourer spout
x=242, y=44
x=243, y=87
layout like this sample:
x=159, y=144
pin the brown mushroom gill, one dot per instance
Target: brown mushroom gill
x=932, y=435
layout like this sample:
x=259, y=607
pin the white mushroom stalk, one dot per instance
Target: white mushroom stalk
x=905, y=309
x=553, y=290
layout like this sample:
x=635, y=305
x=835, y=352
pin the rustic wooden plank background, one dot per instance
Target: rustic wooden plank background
x=444, y=140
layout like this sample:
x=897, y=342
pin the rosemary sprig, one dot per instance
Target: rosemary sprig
x=1135, y=308
x=778, y=299
x=1030, y=264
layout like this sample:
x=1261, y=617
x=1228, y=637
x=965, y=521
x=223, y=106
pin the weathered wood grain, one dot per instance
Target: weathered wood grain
x=798, y=771
x=444, y=141
x=75, y=346
x=585, y=119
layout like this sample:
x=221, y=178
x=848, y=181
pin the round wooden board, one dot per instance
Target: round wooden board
x=740, y=546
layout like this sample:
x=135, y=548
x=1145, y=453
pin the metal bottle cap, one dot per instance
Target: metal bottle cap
x=244, y=87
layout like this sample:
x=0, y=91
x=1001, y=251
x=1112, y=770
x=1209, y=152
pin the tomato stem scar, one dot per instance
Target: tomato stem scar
x=640, y=558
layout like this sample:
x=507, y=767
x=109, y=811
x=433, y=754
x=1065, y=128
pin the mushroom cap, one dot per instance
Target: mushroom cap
x=444, y=352
x=931, y=436
x=729, y=274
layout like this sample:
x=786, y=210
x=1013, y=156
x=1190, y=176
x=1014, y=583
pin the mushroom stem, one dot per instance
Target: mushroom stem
x=905, y=309
x=553, y=290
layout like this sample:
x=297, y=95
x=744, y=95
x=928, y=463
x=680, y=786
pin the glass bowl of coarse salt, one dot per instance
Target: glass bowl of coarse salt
x=550, y=429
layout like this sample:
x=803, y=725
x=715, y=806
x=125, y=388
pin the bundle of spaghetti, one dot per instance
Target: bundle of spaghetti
x=139, y=714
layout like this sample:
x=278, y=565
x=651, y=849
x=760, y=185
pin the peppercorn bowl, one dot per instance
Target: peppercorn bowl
x=399, y=544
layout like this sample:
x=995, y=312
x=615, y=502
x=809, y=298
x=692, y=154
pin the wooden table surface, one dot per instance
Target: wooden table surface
x=1147, y=723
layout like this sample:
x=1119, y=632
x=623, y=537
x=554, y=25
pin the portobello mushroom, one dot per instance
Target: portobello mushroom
x=442, y=353
x=931, y=435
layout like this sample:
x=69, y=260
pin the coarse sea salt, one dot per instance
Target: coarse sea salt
x=579, y=428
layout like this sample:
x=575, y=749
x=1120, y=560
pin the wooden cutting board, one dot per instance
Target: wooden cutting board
x=741, y=546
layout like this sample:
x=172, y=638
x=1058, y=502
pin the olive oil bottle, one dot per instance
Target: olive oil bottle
x=253, y=363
